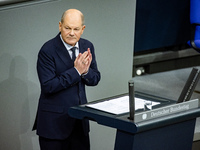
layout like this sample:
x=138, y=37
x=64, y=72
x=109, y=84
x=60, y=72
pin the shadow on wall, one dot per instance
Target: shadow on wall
x=16, y=95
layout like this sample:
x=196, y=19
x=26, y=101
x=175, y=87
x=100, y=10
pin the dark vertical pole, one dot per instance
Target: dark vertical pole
x=131, y=99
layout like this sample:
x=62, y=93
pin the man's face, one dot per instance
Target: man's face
x=71, y=29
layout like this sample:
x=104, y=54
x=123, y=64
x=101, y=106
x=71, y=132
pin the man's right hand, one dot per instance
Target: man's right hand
x=83, y=61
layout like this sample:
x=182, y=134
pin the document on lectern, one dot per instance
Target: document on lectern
x=119, y=105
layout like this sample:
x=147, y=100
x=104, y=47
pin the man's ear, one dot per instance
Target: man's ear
x=60, y=26
x=83, y=28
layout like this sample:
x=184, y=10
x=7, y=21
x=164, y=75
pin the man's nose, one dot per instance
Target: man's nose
x=72, y=32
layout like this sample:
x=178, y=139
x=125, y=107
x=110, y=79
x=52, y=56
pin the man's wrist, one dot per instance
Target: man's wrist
x=78, y=71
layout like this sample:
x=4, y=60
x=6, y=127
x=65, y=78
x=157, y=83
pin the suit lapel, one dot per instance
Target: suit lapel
x=62, y=51
x=82, y=46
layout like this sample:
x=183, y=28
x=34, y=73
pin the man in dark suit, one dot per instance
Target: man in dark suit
x=63, y=83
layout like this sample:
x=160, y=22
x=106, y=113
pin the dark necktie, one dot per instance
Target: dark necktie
x=73, y=53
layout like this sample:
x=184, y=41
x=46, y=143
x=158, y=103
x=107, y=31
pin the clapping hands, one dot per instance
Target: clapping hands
x=83, y=61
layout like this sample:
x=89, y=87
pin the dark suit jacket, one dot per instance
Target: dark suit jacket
x=61, y=88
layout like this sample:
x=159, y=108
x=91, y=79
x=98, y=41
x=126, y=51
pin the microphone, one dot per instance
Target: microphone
x=131, y=100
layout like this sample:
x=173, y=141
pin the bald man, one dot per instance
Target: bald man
x=65, y=65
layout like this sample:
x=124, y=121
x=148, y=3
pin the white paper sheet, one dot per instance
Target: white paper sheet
x=119, y=105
